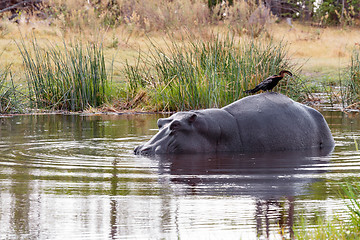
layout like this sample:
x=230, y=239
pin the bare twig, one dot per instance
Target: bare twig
x=20, y=3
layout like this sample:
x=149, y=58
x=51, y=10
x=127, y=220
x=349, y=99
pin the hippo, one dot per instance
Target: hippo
x=259, y=123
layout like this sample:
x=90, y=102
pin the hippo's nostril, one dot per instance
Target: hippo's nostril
x=141, y=150
x=136, y=150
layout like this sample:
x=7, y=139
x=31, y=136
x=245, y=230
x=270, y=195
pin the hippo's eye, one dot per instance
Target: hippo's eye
x=192, y=118
x=175, y=125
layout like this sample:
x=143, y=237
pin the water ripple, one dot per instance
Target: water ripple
x=77, y=176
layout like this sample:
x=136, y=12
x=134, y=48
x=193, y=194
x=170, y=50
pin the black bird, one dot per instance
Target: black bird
x=269, y=83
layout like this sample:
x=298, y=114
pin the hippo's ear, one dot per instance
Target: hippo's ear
x=192, y=118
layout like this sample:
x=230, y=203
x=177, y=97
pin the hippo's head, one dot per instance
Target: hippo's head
x=183, y=132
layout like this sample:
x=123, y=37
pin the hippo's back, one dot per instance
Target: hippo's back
x=273, y=122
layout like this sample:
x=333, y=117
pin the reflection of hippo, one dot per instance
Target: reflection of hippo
x=269, y=175
x=266, y=182
x=259, y=123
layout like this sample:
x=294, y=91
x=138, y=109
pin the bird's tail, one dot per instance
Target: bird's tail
x=254, y=90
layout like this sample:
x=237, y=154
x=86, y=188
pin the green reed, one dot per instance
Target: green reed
x=69, y=77
x=351, y=191
x=345, y=90
x=10, y=101
x=351, y=92
x=197, y=74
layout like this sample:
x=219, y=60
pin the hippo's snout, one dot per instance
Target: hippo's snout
x=141, y=150
x=136, y=150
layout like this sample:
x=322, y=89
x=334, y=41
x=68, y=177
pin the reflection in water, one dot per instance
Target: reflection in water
x=21, y=206
x=72, y=177
x=266, y=177
x=51, y=165
x=113, y=205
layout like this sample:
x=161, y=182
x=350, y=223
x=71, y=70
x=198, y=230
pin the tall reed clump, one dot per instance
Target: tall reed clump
x=70, y=77
x=203, y=74
x=351, y=92
x=10, y=101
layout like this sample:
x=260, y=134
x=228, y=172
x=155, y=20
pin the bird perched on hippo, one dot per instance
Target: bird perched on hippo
x=258, y=123
x=269, y=83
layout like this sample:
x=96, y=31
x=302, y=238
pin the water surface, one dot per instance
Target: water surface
x=75, y=177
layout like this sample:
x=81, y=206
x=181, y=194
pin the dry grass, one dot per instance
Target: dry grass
x=145, y=16
x=321, y=50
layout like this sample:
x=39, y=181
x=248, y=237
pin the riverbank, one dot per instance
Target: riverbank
x=320, y=56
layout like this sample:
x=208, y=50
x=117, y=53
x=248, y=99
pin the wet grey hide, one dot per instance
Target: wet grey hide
x=258, y=123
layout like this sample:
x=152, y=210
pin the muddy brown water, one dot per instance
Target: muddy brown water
x=75, y=177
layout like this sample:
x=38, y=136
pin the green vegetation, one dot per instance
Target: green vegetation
x=231, y=46
x=203, y=74
x=335, y=228
x=71, y=78
x=352, y=192
x=352, y=92
x=177, y=75
x=9, y=96
x=336, y=12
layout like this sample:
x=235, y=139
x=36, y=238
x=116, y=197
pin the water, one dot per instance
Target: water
x=75, y=177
